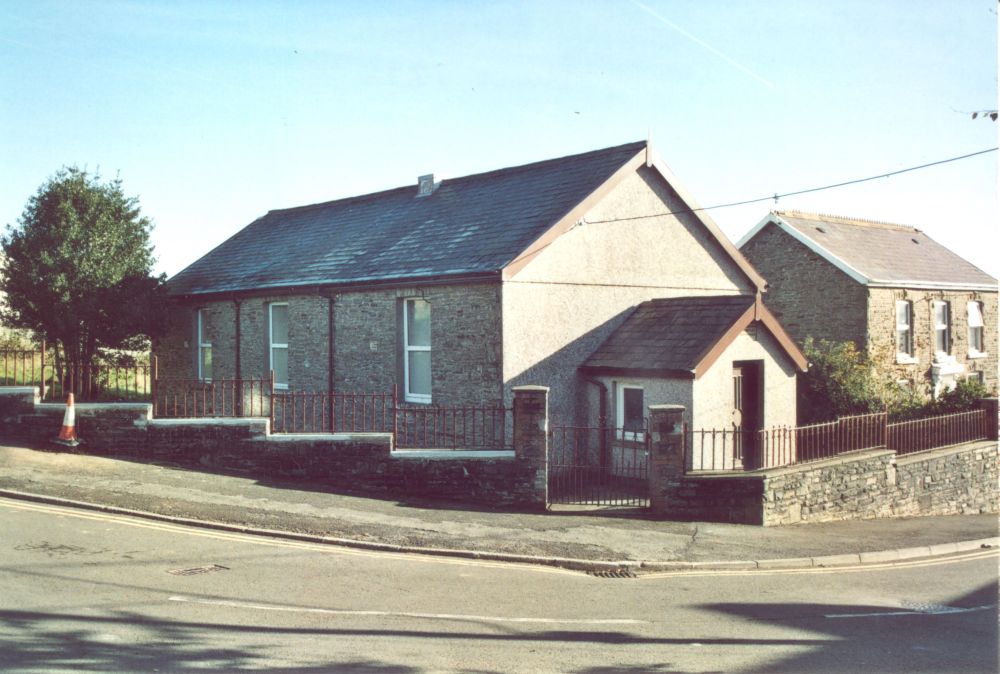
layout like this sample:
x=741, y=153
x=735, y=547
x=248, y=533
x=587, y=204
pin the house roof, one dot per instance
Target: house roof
x=683, y=336
x=879, y=253
x=480, y=225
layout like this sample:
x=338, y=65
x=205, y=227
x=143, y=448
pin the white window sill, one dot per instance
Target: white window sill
x=977, y=354
x=905, y=359
x=281, y=387
x=420, y=400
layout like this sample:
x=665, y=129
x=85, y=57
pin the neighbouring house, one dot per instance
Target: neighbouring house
x=917, y=309
x=456, y=291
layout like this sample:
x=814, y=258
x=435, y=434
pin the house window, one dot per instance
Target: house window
x=630, y=412
x=942, y=327
x=278, y=343
x=417, y=351
x=976, y=344
x=204, y=347
x=904, y=330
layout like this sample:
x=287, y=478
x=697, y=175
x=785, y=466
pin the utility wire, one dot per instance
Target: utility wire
x=777, y=196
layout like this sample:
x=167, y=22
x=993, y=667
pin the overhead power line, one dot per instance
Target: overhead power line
x=777, y=196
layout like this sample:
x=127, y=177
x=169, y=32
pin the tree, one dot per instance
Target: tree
x=78, y=268
x=839, y=383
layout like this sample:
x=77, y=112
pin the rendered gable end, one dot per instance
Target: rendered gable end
x=565, y=301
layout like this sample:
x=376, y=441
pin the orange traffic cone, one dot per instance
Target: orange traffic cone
x=67, y=434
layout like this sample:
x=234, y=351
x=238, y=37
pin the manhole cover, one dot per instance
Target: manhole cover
x=195, y=570
x=613, y=573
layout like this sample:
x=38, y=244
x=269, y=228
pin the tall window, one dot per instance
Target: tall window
x=904, y=328
x=278, y=343
x=942, y=329
x=630, y=412
x=204, y=347
x=976, y=344
x=417, y=351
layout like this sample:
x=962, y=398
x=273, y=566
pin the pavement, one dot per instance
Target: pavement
x=597, y=540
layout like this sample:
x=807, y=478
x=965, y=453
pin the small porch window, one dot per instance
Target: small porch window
x=630, y=412
x=942, y=328
x=204, y=347
x=278, y=343
x=977, y=346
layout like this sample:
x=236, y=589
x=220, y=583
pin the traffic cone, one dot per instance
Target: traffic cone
x=67, y=434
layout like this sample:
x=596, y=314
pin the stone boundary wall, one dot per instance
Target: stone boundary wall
x=363, y=462
x=961, y=479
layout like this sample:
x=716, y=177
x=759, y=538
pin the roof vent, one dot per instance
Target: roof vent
x=821, y=230
x=426, y=185
x=915, y=241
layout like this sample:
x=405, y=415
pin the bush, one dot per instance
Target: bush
x=839, y=383
x=961, y=398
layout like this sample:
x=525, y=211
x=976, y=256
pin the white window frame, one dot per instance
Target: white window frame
x=974, y=313
x=905, y=357
x=202, y=345
x=272, y=345
x=620, y=388
x=941, y=327
x=423, y=398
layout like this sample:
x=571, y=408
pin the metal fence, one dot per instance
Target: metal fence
x=188, y=398
x=603, y=466
x=735, y=450
x=104, y=382
x=330, y=412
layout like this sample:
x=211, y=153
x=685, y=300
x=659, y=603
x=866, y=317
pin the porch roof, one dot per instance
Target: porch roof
x=683, y=336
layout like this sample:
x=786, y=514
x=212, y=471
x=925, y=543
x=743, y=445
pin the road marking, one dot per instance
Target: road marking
x=264, y=540
x=405, y=614
x=938, y=610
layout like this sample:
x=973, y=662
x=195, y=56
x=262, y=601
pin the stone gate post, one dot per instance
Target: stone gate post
x=531, y=437
x=666, y=458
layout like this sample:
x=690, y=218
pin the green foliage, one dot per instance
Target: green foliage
x=839, y=383
x=79, y=267
x=961, y=398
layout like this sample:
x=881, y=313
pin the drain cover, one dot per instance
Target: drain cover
x=613, y=573
x=194, y=571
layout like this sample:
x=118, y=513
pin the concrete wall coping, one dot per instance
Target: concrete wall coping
x=939, y=452
x=453, y=454
x=330, y=437
x=18, y=390
x=530, y=389
x=95, y=407
x=211, y=421
x=776, y=471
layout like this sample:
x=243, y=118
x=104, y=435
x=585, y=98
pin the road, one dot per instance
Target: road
x=87, y=591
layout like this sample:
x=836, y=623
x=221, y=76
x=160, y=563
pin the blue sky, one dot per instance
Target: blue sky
x=214, y=113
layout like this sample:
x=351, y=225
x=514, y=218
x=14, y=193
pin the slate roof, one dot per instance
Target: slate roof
x=670, y=335
x=881, y=253
x=471, y=225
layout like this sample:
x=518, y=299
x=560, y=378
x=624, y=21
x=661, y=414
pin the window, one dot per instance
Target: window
x=278, y=343
x=976, y=344
x=904, y=330
x=630, y=412
x=204, y=347
x=942, y=329
x=417, y=351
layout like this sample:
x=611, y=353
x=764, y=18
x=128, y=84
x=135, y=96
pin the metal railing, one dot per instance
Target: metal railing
x=331, y=412
x=601, y=466
x=907, y=437
x=94, y=382
x=736, y=450
x=192, y=398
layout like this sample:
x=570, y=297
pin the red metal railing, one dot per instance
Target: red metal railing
x=598, y=466
x=95, y=382
x=190, y=398
x=329, y=412
x=907, y=437
x=730, y=449
x=469, y=427
x=21, y=367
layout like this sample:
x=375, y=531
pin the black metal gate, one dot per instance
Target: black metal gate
x=598, y=466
